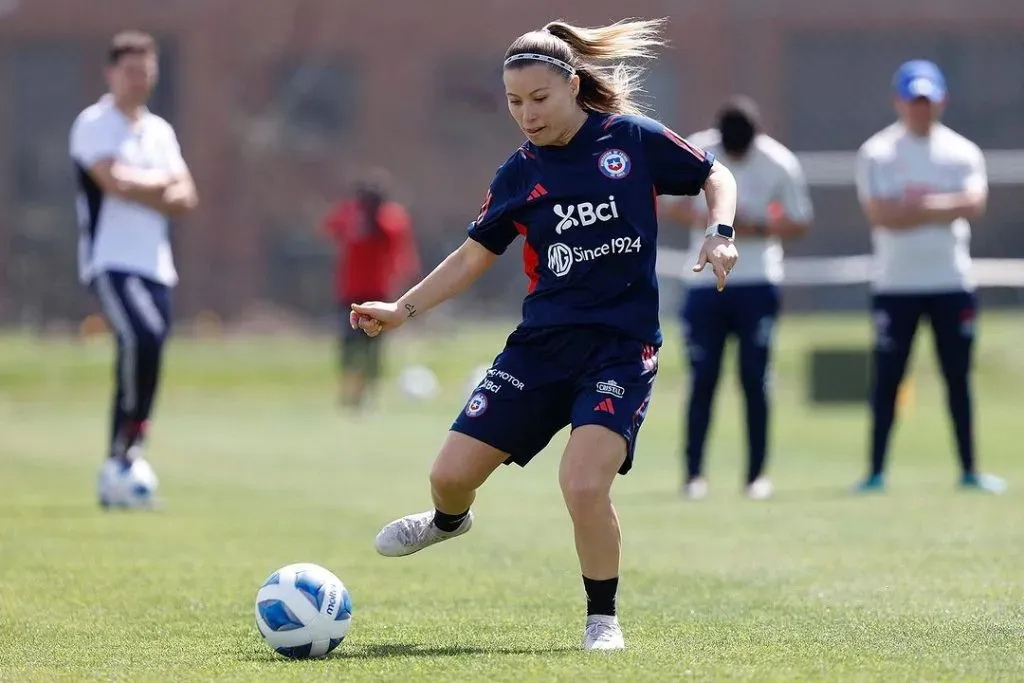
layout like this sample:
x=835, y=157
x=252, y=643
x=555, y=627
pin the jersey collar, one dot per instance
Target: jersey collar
x=108, y=101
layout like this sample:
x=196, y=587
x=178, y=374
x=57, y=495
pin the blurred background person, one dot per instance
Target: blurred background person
x=774, y=204
x=376, y=257
x=920, y=184
x=131, y=179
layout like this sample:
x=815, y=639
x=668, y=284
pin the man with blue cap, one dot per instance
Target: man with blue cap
x=920, y=185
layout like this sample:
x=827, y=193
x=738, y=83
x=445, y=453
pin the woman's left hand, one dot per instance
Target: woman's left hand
x=721, y=254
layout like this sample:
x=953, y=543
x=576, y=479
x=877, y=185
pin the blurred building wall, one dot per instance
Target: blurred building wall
x=278, y=103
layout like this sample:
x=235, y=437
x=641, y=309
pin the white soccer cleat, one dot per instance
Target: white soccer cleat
x=603, y=633
x=413, y=533
x=696, y=488
x=760, y=489
x=108, y=482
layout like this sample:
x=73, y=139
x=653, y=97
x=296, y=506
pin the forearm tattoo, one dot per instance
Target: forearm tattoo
x=411, y=310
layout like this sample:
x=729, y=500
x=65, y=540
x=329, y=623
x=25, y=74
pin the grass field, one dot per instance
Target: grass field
x=259, y=470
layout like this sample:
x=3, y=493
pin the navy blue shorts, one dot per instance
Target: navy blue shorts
x=546, y=379
x=709, y=317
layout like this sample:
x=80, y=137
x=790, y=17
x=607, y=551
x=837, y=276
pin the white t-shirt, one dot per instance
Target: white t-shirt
x=768, y=174
x=927, y=258
x=116, y=234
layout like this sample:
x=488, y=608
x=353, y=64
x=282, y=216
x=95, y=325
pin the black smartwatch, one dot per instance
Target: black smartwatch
x=721, y=230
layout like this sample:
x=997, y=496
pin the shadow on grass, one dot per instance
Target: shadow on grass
x=390, y=650
x=807, y=495
x=61, y=511
x=386, y=650
x=817, y=495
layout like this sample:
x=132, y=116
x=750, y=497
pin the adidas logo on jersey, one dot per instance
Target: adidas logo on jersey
x=584, y=214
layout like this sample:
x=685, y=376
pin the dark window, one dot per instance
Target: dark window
x=44, y=97
x=316, y=97
x=838, y=85
x=470, y=106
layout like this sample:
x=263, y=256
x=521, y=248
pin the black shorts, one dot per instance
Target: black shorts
x=359, y=353
x=547, y=379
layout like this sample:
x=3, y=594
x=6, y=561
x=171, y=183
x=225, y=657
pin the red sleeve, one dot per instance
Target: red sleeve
x=677, y=166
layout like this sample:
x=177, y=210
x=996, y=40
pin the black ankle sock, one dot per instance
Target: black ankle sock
x=446, y=522
x=601, y=595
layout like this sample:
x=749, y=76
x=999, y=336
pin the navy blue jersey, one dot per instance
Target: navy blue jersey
x=588, y=213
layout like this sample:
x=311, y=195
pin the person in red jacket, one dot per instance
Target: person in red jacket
x=376, y=255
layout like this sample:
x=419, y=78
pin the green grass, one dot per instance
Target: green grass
x=260, y=470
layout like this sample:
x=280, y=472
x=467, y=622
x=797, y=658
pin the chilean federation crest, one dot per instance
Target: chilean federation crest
x=477, y=404
x=614, y=163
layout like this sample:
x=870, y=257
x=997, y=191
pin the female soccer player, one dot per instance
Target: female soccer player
x=581, y=190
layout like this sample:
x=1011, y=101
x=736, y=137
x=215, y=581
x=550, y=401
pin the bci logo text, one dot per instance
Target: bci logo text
x=585, y=213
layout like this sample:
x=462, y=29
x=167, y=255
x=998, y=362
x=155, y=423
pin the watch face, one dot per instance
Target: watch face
x=726, y=231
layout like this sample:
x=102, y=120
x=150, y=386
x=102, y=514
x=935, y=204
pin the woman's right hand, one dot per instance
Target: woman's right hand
x=374, y=317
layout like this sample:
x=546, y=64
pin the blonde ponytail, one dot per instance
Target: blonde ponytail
x=605, y=88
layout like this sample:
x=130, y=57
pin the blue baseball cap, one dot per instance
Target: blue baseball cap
x=919, y=78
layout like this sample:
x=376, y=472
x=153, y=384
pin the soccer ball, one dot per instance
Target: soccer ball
x=129, y=484
x=418, y=382
x=303, y=611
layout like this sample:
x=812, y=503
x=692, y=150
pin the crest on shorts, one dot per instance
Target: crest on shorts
x=614, y=163
x=477, y=404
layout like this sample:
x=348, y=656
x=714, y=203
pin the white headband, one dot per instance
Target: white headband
x=565, y=66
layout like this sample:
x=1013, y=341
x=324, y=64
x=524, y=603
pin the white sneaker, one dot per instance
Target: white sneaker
x=413, y=533
x=760, y=489
x=108, y=483
x=603, y=633
x=696, y=488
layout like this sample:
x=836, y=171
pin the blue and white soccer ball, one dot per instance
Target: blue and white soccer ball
x=303, y=611
x=127, y=485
